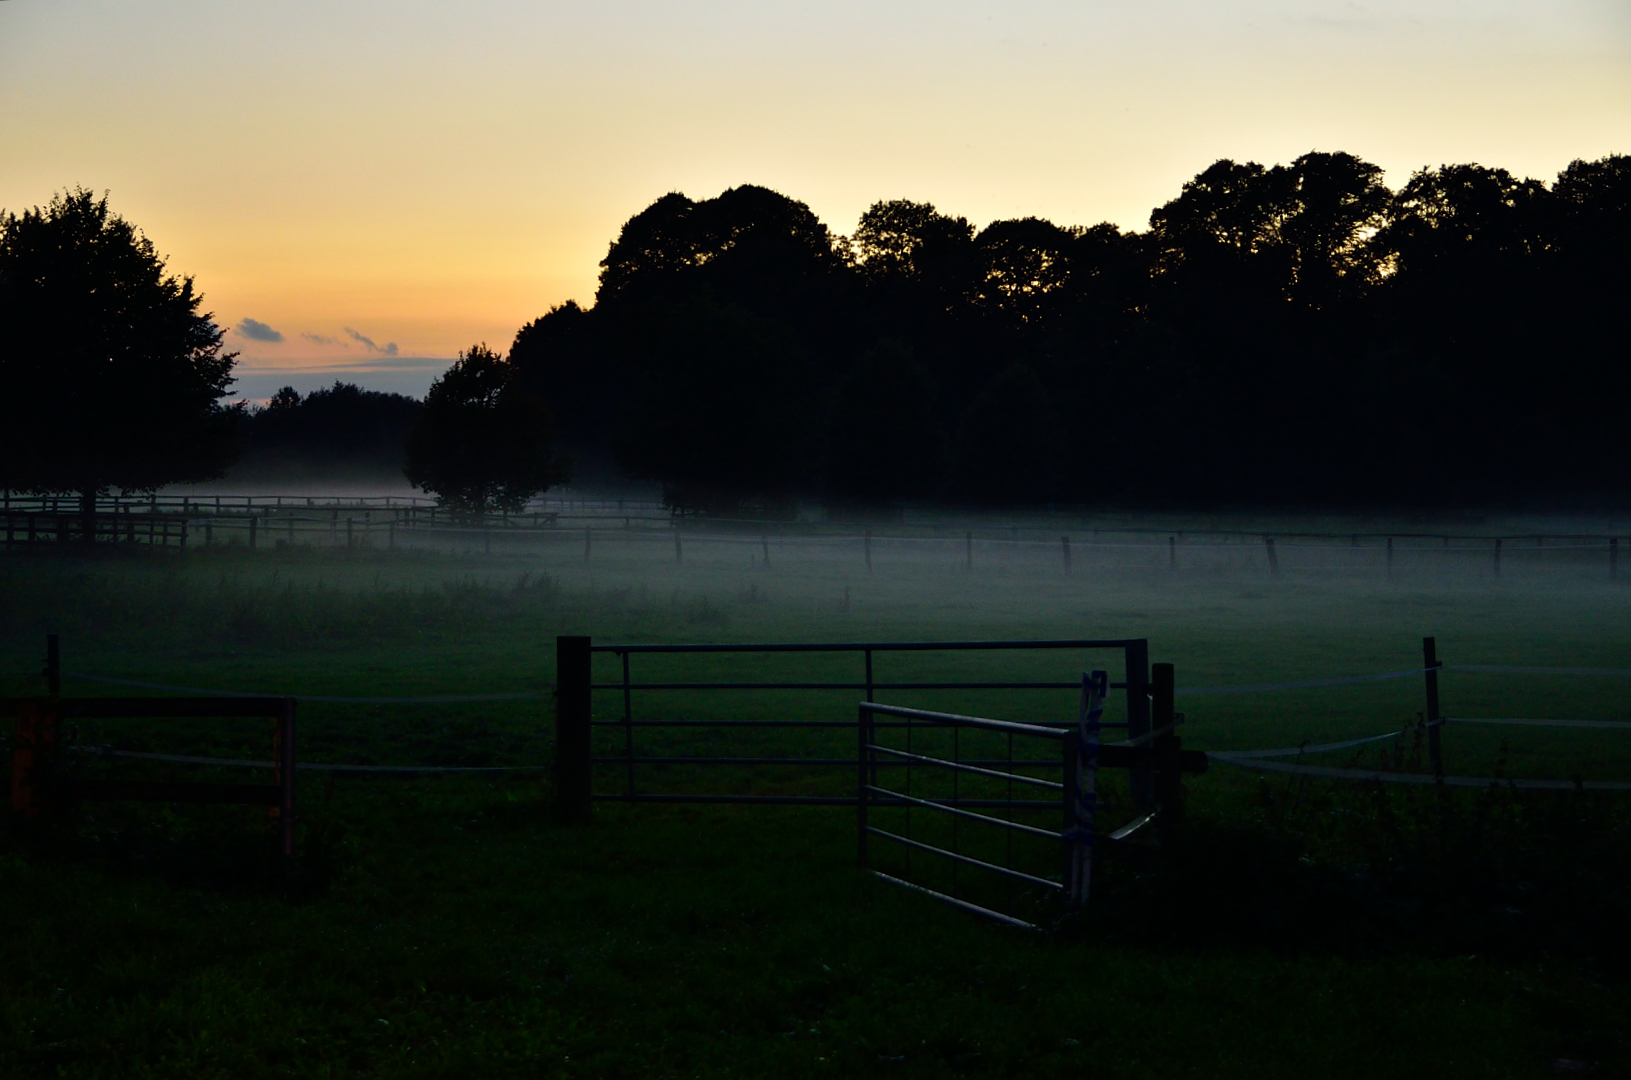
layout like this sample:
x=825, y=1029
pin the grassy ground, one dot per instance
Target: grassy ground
x=449, y=926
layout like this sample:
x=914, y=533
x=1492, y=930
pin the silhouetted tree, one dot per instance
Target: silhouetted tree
x=886, y=443
x=483, y=444
x=110, y=375
x=563, y=357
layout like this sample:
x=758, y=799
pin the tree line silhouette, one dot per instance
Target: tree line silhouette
x=1295, y=334
x=1289, y=334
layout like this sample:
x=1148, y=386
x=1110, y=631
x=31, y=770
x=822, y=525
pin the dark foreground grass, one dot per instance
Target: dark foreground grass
x=450, y=926
x=462, y=933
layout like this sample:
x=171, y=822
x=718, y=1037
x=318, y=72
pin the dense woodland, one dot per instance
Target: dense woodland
x=1294, y=334
x=341, y=433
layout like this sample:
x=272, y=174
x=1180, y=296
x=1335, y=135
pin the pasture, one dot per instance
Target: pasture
x=449, y=925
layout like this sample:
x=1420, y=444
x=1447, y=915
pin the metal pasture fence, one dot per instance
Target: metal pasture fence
x=978, y=799
x=40, y=783
x=957, y=796
x=624, y=763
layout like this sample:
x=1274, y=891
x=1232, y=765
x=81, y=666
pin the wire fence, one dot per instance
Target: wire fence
x=626, y=755
x=650, y=540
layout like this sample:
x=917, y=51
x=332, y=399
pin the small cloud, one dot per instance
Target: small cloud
x=389, y=348
x=321, y=339
x=255, y=330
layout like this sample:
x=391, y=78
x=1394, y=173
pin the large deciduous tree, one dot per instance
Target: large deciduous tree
x=483, y=442
x=110, y=375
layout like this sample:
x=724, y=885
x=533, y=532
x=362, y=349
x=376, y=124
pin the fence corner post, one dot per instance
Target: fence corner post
x=1169, y=779
x=1435, y=750
x=1141, y=780
x=573, y=789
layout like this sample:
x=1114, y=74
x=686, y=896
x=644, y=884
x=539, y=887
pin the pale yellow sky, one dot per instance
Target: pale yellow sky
x=430, y=175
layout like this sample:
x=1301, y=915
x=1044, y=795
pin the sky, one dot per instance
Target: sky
x=363, y=189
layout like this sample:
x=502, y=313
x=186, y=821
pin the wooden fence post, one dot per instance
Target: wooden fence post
x=1165, y=746
x=1274, y=560
x=1613, y=555
x=679, y=555
x=1064, y=547
x=1390, y=556
x=33, y=748
x=254, y=526
x=866, y=546
x=764, y=544
x=968, y=543
x=1172, y=552
x=1435, y=750
x=1141, y=778
x=1497, y=556
x=573, y=708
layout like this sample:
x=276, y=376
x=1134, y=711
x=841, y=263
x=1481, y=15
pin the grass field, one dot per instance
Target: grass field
x=449, y=926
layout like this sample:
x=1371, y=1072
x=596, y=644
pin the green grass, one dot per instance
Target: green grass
x=449, y=926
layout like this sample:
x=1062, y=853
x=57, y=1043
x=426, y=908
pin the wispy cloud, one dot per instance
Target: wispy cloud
x=255, y=330
x=388, y=349
x=321, y=339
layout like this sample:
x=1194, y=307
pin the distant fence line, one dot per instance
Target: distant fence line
x=320, y=521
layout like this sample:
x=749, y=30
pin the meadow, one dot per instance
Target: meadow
x=450, y=925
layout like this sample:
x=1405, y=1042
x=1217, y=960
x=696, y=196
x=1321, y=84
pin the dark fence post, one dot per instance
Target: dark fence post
x=1613, y=555
x=1274, y=560
x=285, y=758
x=764, y=544
x=1435, y=750
x=33, y=752
x=1165, y=746
x=679, y=556
x=1172, y=552
x=1390, y=556
x=1138, y=718
x=1064, y=546
x=573, y=791
x=254, y=525
x=1497, y=556
x=866, y=544
x=968, y=547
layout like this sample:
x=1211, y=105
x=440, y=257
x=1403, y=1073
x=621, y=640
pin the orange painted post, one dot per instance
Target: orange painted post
x=33, y=751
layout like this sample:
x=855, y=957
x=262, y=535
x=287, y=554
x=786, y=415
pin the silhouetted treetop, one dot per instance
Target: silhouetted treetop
x=742, y=233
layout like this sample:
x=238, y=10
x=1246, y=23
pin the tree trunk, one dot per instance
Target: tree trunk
x=87, y=516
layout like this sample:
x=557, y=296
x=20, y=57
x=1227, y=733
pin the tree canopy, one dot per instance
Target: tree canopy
x=1291, y=333
x=483, y=442
x=112, y=375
